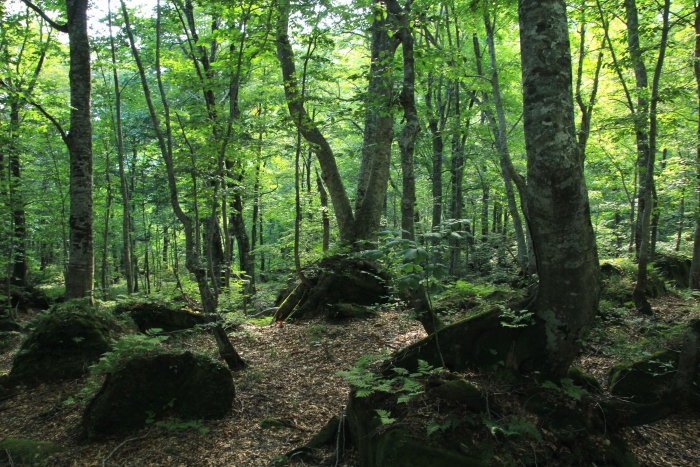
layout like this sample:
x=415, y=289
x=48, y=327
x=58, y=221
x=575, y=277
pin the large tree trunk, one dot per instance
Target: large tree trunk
x=695, y=264
x=373, y=177
x=557, y=198
x=81, y=263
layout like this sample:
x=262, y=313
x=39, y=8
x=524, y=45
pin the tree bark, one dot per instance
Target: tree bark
x=695, y=263
x=126, y=221
x=557, y=198
x=639, y=291
x=81, y=262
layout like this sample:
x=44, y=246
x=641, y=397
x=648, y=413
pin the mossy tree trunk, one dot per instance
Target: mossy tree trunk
x=557, y=198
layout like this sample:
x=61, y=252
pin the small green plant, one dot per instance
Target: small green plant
x=384, y=417
x=516, y=318
x=405, y=384
x=452, y=422
x=475, y=290
x=518, y=426
x=316, y=332
x=567, y=387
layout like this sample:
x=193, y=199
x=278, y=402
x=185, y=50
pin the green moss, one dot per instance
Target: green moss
x=327, y=434
x=458, y=390
x=64, y=343
x=583, y=379
x=398, y=449
x=26, y=451
x=148, y=387
x=646, y=380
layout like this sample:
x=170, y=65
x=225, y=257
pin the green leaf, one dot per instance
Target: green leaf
x=550, y=385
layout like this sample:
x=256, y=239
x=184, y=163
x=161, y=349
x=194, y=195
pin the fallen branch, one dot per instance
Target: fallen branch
x=122, y=444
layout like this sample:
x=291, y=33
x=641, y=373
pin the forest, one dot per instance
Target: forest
x=364, y=233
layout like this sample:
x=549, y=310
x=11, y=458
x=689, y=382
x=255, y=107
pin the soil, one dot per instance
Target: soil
x=292, y=378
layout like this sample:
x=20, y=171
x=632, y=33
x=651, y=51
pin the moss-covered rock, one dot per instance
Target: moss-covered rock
x=583, y=379
x=167, y=319
x=394, y=447
x=349, y=310
x=618, y=277
x=64, y=343
x=149, y=314
x=646, y=381
x=26, y=451
x=185, y=385
x=674, y=268
x=455, y=389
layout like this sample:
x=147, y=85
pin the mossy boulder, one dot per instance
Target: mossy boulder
x=182, y=385
x=618, y=277
x=395, y=447
x=350, y=310
x=26, y=451
x=674, y=268
x=647, y=380
x=583, y=379
x=338, y=279
x=149, y=315
x=64, y=343
x=452, y=388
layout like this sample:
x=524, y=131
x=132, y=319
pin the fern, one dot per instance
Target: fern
x=384, y=417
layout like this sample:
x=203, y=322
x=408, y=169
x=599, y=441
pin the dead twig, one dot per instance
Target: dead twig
x=122, y=444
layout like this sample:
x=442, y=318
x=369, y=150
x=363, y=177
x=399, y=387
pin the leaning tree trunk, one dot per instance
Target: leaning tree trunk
x=557, y=197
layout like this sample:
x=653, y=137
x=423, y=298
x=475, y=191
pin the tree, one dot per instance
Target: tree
x=558, y=216
x=81, y=261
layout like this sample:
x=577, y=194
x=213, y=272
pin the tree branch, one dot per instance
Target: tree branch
x=52, y=23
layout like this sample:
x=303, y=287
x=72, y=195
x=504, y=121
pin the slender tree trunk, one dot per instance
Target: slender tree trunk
x=639, y=292
x=681, y=220
x=123, y=185
x=165, y=143
x=105, y=238
x=641, y=115
x=81, y=264
x=20, y=267
x=499, y=129
x=324, y=215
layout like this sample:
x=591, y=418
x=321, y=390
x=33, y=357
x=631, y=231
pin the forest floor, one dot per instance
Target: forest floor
x=293, y=378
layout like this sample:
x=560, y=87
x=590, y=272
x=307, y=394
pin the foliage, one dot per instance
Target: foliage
x=406, y=384
x=567, y=387
x=452, y=422
x=518, y=426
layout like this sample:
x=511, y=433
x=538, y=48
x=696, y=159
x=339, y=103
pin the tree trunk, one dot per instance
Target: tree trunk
x=695, y=263
x=639, y=291
x=81, y=263
x=557, y=199
x=324, y=216
x=126, y=221
x=641, y=115
x=20, y=267
x=165, y=143
x=499, y=130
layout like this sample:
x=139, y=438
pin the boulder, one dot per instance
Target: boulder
x=64, y=343
x=149, y=387
x=674, y=268
x=645, y=381
x=152, y=314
